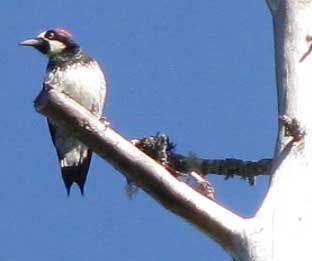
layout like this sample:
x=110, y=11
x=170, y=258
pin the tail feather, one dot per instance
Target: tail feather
x=76, y=174
x=74, y=157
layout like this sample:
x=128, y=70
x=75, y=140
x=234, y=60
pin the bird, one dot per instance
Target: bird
x=71, y=71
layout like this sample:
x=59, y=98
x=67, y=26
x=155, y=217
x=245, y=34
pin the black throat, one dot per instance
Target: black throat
x=67, y=58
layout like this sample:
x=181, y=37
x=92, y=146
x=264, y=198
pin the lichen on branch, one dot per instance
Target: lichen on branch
x=161, y=149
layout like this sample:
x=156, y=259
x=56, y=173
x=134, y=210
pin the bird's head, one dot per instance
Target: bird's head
x=52, y=42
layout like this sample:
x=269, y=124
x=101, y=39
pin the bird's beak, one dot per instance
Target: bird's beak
x=32, y=42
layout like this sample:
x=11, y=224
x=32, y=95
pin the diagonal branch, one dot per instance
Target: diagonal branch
x=222, y=225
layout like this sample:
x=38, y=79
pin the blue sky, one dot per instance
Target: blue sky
x=200, y=71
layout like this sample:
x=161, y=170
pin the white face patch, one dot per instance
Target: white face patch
x=56, y=46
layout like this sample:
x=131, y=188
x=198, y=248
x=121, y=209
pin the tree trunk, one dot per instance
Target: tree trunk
x=282, y=227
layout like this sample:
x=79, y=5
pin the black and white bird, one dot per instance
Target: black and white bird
x=71, y=71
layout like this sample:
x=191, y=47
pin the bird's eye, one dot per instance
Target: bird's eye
x=50, y=35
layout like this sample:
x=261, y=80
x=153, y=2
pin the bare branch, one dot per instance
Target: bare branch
x=216, y=221
x=161, y=149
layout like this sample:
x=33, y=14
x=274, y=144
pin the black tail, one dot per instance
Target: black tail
x=77, y=174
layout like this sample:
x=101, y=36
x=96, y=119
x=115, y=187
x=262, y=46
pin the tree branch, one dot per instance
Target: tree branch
x=161, y=149
x=222, y=225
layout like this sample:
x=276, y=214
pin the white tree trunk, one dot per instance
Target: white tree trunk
x=281, y=230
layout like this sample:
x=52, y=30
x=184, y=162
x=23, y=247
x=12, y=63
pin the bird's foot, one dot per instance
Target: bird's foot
x=105, y=122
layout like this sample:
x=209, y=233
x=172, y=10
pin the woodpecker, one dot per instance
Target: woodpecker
x=74, y=73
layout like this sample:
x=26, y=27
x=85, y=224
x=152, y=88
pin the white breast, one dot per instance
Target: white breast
x=83, y=83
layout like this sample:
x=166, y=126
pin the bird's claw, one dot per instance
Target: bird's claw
x=105, y=121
